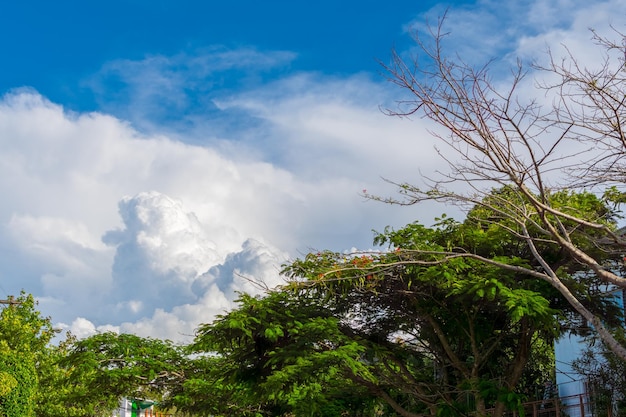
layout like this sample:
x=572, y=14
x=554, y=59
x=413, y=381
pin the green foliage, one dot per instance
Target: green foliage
x=444, y=322
x=24, y=334
x=32, y=381
x=107, y=366
x=431, y=300
x=281, y=354
x=23, y=328
x=59, y=393
x=19, y=369
x=614, y=196
x=7, y=383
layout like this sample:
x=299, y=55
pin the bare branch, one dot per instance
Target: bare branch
x=501, y=140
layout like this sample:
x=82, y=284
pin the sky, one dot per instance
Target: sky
x=159, y=157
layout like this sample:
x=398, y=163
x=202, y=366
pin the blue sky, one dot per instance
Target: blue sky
x=56, y=47
x=157, y=155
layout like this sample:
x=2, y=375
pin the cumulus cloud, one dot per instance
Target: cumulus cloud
x=252, y=270
x=180, y=323
x=136, y=231
x=158, y=310
x=163, y=253
x=81, y=328
x=168, y=276
x=161, y=237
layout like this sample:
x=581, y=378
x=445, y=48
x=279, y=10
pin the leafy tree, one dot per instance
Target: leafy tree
x=449, y=337
x=105, y=367
x=59, y=394
x=418, y=329
x=537, y=152
x=7, y=383
x=32, y=382
x=277, y=355
x=24, y=335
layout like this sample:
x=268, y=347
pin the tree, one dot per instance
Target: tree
x=24, y=335
x=535, y=151
x=56, y=395
x=410, y=336
x=279, y=355
x=474, y=324
x=105, y=367
x=32, y=382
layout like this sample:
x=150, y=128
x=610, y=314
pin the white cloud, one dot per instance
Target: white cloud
x=195, y=226
x=492, y=30
x=81, y=328
x=255, y=268
x=251, y=270
x=324, y=128
x=575, y=32
x=57, y=241
x=178, y=88
x=159, y=232
x=167, y=275
x=180, y=323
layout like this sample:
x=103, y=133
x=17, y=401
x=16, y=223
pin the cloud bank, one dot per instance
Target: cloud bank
x=115, y=229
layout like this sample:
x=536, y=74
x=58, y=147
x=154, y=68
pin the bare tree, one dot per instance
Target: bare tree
x=502, y=139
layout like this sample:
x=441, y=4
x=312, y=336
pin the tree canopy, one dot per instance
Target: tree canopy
x=413, y=336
